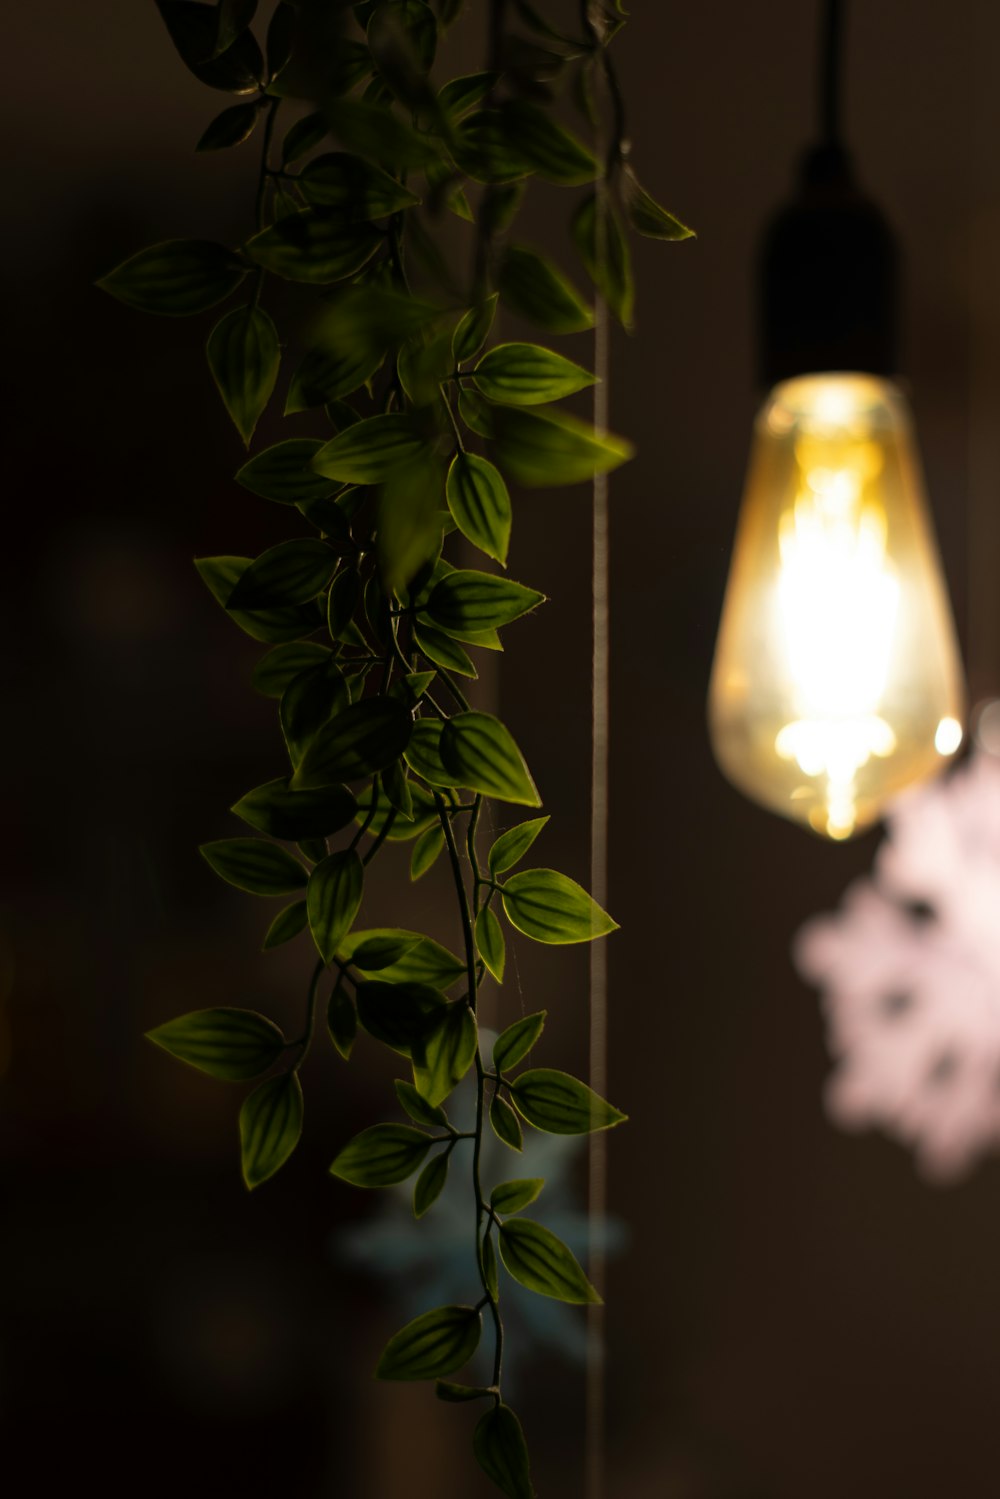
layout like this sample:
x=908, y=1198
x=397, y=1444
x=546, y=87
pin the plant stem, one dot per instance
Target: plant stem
x=261, y=202
x=482, y=1207
x=305, y=1040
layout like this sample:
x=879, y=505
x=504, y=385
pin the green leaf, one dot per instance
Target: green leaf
x=539, y=449
x=512, y=846
x=303, y=137
x=372, y=131
x=535, y=289
x=479, y=501
x=423, y=753
x=443, y=1057
x=255, y=866
x=425, y=962
x=280, y=666
x=314, y=849
x=542, y=1263
x=230, y=128
x=286, y=925
x=402, y=39
x=401, y=1016
x=528, y=375
x=443, y=651
x=646, y=215
x=480, y=752
x=439, y=1342
x=214, y=44
x=483, y=149
x=371, y=450
x=275, y=809
x=396, y=787
x=597, y=234
x=490, y=943
x=466, y=602
x=378, y=950
x=549, y=150
x=342, y=1019
x=500, y=1450
x=357, y=189
x=308, y=702
x=363, y=739
x=473, y=330
x=314, y=247
x=382, y=1155
x=284, y=473
x=561, y=1105
x=517, y=1040
x=226, y=1043
x=221, y=574
x=427, y=849
x=410, y=520
x=550, y=907
x=280, y=38
x=293, y=572
x=505, y=1123
x=430, y=1184
x=476, y=413
x=270, y=1126
x=176, y=278
x=457, y=1394
x=462, y=94
x=512, y=1196
x=326, y=375
x=419, y=1110
x=333, y=900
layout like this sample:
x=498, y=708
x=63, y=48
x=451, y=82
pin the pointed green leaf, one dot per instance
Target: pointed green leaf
x=325, y=375
x=535, y=289
x=401, y=1016
x=215, y=44
x=333, y=899
x=512, y=846
x=561, y=1105
x=518, y=374
x=293, y=572
x=483, y=148
x=443, y=1057
x=281, y=665
x=230, y=128
x=309, y=701
x=356, y=188
x=427, y=849
x=491, y=1275
x=604, y=250
x=479, y=501
x=176, y=278
x=314, y=247
x=457, y=1394
x=543, y=449
x=270, y=1126
x=443, y=651
x=425, y=962
x=517, y=1040
x=277, y=810
x=550, y=907
x=512, y=1196
x=646, y=215
x=224, y=1042
x=371, y=450
x=221, y=575
x=375, y=951
x=473, y=330
x=342, y=1019
x=467, y=602
x=500, y=1450
x=480, y=752
x=419, y=1110
x=286, y=925
x=490, y=943
x=430, y=1184
x=363, y=739
x=423, y=753
x=304, y=136
x=284, y=473
x=505, y=1123
x=540, y=1261
x=549, y=150
x=436, y=1343
x=462, y=94
x=255, y=866
x=382, y=1155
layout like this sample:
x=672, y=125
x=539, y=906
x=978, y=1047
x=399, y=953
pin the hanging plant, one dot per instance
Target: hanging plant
x=369, y=628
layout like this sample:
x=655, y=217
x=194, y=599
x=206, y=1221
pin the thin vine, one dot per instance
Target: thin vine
x=369, y=626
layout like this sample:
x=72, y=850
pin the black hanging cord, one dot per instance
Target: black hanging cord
x=831, y=53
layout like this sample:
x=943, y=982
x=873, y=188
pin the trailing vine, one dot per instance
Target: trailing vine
x=369, y=627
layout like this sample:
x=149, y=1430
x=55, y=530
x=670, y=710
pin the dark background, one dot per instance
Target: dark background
x=798, y=1316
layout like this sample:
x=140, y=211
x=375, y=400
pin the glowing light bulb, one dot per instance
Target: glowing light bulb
x=836, y=680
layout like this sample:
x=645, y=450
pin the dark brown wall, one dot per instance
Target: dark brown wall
x=797, y=1314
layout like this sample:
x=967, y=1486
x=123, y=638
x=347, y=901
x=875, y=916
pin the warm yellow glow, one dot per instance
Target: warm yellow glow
x=836, y=680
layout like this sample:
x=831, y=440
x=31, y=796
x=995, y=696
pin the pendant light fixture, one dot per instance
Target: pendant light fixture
x=836, y=680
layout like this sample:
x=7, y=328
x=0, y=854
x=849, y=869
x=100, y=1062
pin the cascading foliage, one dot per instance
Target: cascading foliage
x=369, y=627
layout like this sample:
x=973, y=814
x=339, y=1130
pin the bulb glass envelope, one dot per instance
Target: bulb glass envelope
x=837, y=680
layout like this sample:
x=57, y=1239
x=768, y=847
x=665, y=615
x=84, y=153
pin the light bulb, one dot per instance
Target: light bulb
x=836, y=681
